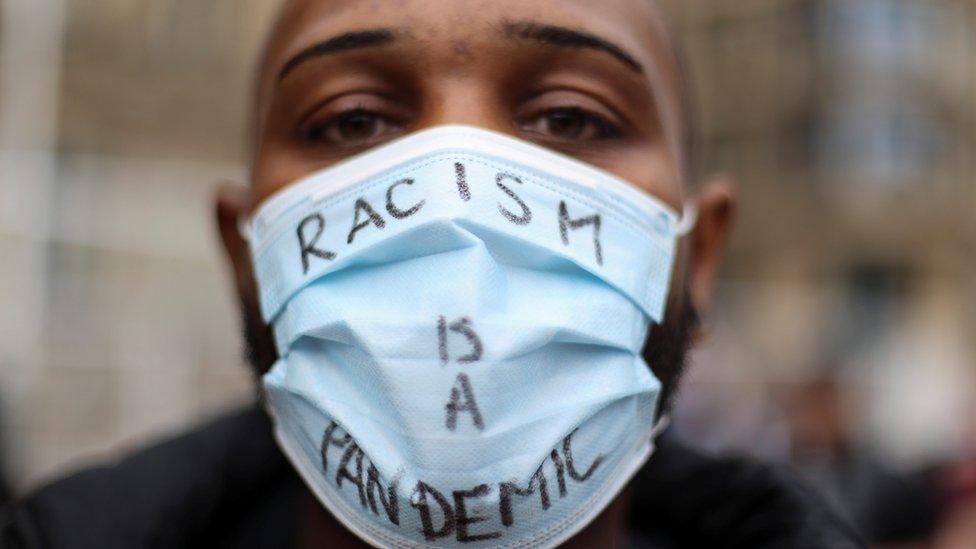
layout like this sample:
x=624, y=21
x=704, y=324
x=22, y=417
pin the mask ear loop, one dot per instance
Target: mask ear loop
x=663, y=422
x=689, y=219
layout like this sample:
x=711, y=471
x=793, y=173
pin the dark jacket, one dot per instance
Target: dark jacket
x=227, y=485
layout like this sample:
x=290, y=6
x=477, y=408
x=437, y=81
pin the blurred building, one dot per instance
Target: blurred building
x=850, y=127
x=851, y=130
x=843, y=340
x=118, y=118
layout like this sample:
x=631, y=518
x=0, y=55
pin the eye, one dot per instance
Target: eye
x=355, y=127
x=569, y=124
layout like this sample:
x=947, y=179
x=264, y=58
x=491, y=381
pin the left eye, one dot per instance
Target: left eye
x=569, y=124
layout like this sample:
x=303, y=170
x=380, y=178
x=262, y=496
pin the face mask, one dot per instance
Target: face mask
x=459, y=316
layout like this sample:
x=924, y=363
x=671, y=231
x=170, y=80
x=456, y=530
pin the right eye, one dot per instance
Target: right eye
x=355, y=127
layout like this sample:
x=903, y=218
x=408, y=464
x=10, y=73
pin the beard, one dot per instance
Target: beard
x=260, y=352
x=665, y=350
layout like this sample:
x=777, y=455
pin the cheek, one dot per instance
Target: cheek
x=271, y=169
x=277, y=165
x=279, y=160
x=652, y=171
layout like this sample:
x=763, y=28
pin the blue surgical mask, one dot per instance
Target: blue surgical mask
x=459, y=317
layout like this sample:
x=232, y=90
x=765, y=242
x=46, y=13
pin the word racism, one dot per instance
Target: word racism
x=365, y=215
x=442, y=515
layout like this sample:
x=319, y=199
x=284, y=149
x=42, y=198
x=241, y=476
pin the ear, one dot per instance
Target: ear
x=716, y=214
x=230, y=205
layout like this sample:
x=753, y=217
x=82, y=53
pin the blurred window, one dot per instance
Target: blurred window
x=881, y=121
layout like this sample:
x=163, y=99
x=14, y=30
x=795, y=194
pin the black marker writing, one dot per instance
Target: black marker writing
x=397, y=213
x=566, y=223
x=369, y=489
x=571, y=468
x=447, y=512
x=461, y=326
x=462, y=181
x=418, y=500
x=442, y=340
x=371, y=217
x=328, y=440
x=308, y=246
x=356, y=478
x=560, y=472
x=389, y=500
x=508, y=489
x=526, y=216
x=461, y=518
x=462, y=389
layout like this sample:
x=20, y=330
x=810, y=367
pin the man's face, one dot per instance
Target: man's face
x=594, y=80
x=598, y=81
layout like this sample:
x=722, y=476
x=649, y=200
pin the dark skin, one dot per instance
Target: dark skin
x=598, y=81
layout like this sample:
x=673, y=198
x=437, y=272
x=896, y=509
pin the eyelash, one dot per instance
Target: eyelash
x=314, y=131
x=605, y=128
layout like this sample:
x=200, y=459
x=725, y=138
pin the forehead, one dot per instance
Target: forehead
x=636, y=25
x=631, y=21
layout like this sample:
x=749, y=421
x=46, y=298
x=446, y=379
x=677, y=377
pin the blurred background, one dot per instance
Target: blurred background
x=843, y=340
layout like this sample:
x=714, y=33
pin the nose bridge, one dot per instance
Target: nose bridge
x=466, y=99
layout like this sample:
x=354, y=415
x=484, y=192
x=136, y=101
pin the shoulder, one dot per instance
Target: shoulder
x=694, y=499
x=172, y=489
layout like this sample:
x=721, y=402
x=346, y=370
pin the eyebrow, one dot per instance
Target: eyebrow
x=343, y=42
x=566, y=37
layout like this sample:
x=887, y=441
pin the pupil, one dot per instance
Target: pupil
x=357, y=126
x=568, y=124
